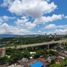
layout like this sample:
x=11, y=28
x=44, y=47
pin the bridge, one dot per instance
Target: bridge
x=33, y=45
x=37, y=44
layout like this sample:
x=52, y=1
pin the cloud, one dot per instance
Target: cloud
x=52, y=18
x=50, y=26
x=53, y=26
x=6, y=3
x=5, y=19
x=61, y=31
x=4, y=28
x=24, y=23
x=24, y=9
x=21, y=21
x=19, y=31
x=22, y=26
x=8, y=29
x=58, y=29
x=41, y=20
x=34, y=8
x=66, y=17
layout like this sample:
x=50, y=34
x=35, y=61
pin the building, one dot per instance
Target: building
x=2, y=52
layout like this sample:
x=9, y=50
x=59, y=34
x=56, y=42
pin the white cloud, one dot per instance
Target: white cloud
x=58, y=31
x=50, y=26
x=52, y=18
x=5, y=28
x=24, y=23
x=21, y=21
x=23, y=26
x=18, y=31
x=6, y=3
x=5, y=19
x=34, y=8
x=30, y=25
x=1, y=21
x=66, y=17
x=53, y=26
x=61, y=31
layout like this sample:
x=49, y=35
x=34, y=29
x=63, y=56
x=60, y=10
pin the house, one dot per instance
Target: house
x=2, y=52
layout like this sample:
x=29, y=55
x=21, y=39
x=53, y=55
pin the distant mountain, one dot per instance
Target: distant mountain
x=12, y=35
x=7, y=35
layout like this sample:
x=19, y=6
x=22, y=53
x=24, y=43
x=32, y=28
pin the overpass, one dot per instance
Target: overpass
x=3, y=49
x=37, y=44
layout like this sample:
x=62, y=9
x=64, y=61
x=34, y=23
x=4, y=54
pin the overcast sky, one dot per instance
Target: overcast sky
x=33, y=17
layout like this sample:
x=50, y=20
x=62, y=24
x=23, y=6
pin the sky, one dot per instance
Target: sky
x=24, y=17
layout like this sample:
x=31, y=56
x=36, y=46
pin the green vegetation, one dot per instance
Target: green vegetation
x=13, y=55
x=13, y=41
x=62, y=64
x=55, y=65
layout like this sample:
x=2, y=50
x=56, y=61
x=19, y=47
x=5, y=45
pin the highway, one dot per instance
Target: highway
x=37, y=44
